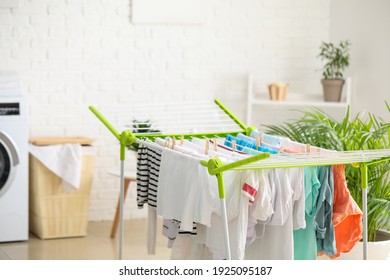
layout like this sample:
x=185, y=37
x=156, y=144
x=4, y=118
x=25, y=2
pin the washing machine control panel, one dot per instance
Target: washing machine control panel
x=9, y=109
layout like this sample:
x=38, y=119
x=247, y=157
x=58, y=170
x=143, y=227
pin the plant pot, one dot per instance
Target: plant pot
x=332, y=89
x=277, y=91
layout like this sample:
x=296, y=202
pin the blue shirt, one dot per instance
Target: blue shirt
x=323, y=219
x=241, y=143
x=274, y=140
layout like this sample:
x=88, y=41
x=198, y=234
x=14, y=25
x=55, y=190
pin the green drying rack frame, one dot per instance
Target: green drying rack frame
x=127, y=138
x=216, y=167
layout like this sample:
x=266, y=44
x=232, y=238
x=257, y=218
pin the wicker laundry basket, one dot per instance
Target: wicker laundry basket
x=54, y=213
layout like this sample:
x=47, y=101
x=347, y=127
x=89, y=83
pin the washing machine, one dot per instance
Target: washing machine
x=13, y=169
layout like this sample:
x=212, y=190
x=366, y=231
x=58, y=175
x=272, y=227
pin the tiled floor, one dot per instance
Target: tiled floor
x=97, y=245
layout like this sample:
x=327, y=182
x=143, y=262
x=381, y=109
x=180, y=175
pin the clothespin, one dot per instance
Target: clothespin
x=281, y=149
x=257, y=143
x=207, y=147
x=173, y=142
x=261, y=137
x=215, y=144
x=234, y=145
x=166, y=143
x=181, y=140
x=308, y=148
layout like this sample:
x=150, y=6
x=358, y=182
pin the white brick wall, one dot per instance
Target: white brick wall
x=74, y=53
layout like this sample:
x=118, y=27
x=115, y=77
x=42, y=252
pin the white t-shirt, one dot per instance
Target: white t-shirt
x=237, y=214
x=184, y=192
x=277, y=242
x=297, y=182
x=262, y=210
x=263, y=207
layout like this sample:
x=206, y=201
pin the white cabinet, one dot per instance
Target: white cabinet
x=273, y=111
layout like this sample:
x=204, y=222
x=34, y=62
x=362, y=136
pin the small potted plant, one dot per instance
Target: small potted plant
x=337, y=60
x=143, y=126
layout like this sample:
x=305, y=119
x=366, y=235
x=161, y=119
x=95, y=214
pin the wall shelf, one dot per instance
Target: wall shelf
x=298, y=100
x=259, y=98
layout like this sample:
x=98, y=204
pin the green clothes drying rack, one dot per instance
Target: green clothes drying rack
x=213, y=119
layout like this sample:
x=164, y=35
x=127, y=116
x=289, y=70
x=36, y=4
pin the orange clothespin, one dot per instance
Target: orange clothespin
x=234, y=145
x=207, y=147
x=308, y=148
x=182, y=140
x=261, y=137
x=281, y=150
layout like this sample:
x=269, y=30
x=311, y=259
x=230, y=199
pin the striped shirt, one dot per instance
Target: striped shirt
x=148, y=168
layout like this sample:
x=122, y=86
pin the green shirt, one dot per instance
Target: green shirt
x=305, y=240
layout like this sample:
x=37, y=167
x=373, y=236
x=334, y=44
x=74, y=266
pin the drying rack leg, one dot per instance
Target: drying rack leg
x=221, y=191
x=365, y=227
x=226, y=229
x=121, y=201
x=364, y=181
x=122, y=195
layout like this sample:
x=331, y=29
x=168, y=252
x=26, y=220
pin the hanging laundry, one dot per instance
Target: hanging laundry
x=262, y=210
x=148, y=165
x=285, y=144
x=184, y=190
x=275, y=238
x=223, y=154
x=323, y=219
x=171, y=229
x=284, y=213
x=347, y=216
x=237, y=214
x=241, y=143
x=266, y=138
x=188, y=247
x=305, y=240
x=228, y=149
x=263, y=146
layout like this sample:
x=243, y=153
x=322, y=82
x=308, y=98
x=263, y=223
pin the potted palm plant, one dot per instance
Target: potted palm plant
x=336, y=59
x=362, y=132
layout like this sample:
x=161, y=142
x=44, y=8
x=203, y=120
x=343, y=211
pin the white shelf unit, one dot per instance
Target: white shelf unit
x=259, y=98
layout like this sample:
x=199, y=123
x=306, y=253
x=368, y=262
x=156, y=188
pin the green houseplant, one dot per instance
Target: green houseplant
x=362, y=132
x=336, y=59
x=144, y=126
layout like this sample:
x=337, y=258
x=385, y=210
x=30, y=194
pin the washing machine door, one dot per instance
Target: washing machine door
x=9, y=160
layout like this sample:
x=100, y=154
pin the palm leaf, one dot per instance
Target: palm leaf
x=362, y=132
